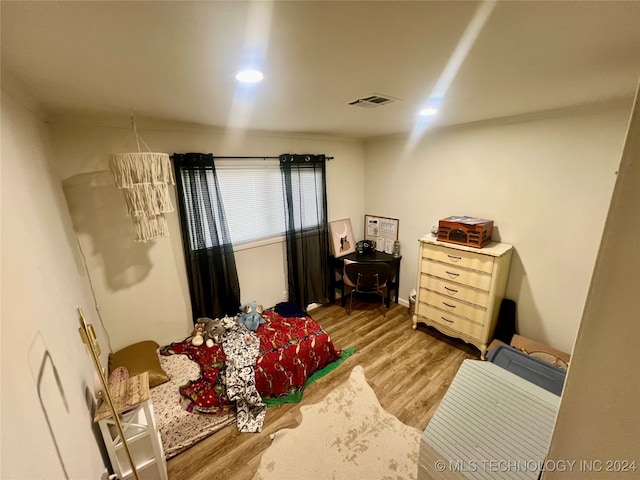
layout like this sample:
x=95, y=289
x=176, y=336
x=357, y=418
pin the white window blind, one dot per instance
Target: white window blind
x=253, y=199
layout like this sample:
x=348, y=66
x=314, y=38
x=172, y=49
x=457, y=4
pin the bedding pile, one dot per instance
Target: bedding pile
x=178, y=428
x=291, y=350
x=241, y=348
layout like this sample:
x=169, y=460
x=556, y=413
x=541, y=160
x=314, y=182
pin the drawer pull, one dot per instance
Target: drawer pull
x=450, y=289
x=454, y=258
x=447, y=305
x=452, y=274
x=447, y=320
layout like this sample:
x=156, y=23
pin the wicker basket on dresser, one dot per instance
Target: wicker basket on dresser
x=460, y=289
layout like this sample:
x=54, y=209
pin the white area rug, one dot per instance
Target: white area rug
x=346, y=436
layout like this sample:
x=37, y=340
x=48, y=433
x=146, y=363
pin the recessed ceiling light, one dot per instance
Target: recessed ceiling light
x=427, y=112
x=249, y=76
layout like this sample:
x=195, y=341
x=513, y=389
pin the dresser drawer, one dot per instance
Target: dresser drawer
x=451, y=321
x=448, y=304
x=458, y=275
x=460, y=258
x=455, y=290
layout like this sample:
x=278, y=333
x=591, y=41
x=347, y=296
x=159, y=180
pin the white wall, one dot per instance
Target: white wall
x=141, y=287
x=43, y=282
x=599, y=417
x=546, y=183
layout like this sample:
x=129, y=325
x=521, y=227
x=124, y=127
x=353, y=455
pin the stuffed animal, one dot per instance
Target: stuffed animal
x=213, y=332
x=208, y=331
x=197, y=336
x=251, y=316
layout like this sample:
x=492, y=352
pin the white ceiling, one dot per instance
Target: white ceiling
x=176, y=60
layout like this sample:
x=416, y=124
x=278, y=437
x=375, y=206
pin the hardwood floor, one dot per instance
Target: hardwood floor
x=410, y=370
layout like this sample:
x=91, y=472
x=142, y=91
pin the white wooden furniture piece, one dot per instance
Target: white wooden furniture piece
x=132, y=401
x=491, y=424
x=460, y=289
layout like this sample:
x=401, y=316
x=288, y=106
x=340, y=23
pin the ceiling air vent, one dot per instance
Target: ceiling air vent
x=373, y=100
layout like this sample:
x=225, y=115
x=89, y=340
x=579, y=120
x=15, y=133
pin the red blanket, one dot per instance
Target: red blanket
x=291, y=350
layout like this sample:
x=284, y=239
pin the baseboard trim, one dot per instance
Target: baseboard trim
x=312, y=306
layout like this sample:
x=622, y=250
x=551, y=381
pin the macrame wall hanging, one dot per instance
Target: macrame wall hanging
x=144, y=178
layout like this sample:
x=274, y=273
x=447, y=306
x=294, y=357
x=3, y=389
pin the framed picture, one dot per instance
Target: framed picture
x=341, y=240
x=388, y=246
x=382, y=230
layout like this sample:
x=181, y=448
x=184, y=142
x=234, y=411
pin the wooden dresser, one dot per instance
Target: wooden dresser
x=460, y=289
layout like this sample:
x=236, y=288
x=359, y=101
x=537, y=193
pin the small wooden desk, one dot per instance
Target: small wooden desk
x=337, y=267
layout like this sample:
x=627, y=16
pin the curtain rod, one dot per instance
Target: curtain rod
x=257, y=158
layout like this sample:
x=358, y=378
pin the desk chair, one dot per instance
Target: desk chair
x=368, y=278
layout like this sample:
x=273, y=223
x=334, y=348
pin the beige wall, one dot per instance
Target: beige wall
x=546, y=182
x=43, y=282
x=141, y=288
x=599, y=416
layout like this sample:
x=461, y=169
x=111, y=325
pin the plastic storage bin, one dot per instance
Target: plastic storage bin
x=536, y=371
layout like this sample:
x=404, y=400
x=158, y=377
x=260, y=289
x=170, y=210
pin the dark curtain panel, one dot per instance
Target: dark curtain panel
x=208, y=252
x=307, y=234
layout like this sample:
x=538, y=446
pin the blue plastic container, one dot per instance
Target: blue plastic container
x=536, y=371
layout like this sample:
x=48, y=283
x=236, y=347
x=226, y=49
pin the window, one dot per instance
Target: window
x=253, y=200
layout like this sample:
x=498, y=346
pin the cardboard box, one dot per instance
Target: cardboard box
x=537, y=350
